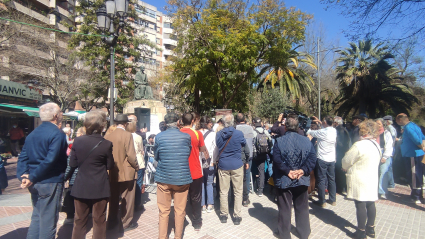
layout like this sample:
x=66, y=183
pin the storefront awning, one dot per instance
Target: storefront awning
x=30, y=111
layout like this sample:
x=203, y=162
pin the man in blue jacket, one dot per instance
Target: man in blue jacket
x=172, y=149
x=412, y=151
x=229, y=142
x=294, y=158
x=41, y=168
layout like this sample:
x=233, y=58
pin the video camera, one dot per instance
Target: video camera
x=304, y=122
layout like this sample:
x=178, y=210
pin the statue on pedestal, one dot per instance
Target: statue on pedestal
x=142, y=89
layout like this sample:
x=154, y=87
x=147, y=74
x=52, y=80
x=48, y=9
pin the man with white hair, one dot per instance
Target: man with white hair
x=343, y=144
x=41, y=168
x=229, y=142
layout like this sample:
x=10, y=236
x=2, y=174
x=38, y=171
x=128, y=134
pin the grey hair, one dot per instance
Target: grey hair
x=95, y=122
x=338, y=120
x=229, y=120
x=388, y=122
x=66, y=130
x=383, y=122
x=48, y=111
x=172, y=125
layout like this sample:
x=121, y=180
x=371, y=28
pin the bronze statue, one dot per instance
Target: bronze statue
x=142, y=89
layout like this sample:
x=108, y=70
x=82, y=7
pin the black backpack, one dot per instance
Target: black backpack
x=261, y=143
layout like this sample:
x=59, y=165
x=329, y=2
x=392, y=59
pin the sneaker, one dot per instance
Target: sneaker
x=237, y=220
x=197, y=226
x=204, y=210
x=246, y=203
x=319, y=204
x=382, y=196
x=415, y=201
x=223, y=219
x=210, y=209
x=332, y=203
x=260, y=194
x=68, y=221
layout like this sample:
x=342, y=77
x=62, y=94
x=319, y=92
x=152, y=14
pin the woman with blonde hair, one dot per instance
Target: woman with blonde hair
x=361, y=163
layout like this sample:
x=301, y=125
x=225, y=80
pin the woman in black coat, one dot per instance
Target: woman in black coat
x=92, y=155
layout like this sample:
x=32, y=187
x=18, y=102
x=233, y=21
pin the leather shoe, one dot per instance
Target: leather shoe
x=237, y=220
x=130, y=227
x=223, y=219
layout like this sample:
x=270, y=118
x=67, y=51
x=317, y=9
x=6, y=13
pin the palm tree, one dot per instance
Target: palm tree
x=289, y=75
x=367, y=81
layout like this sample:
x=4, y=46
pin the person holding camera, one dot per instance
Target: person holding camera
x=326, y=157
x=279, y=126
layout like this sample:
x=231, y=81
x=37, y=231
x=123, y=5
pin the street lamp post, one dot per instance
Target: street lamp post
x=106, y=14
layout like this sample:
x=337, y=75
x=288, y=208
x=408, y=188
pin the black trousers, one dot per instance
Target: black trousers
x=340, y=178
x=285, y=197
x=195, y=199
x=260, y=175
x=366, y=211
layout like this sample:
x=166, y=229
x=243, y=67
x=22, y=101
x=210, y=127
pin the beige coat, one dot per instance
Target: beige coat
x=362, y=163
x=126, y=165
x=138, y=146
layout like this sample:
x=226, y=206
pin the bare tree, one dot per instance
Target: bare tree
x=401, y=19
x=41, y=57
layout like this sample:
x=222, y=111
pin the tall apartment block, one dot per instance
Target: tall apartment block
x=158, y=28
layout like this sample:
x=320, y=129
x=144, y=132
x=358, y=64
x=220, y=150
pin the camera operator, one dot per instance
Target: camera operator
x=279, y=126
x=326, y=141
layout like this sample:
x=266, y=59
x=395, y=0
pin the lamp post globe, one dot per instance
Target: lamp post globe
x=103, y=20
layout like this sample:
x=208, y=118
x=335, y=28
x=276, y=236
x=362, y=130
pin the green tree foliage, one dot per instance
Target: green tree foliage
x=290, y=76
x=368, y=81
x=269, y=104
x=225, y=46
x=96, y=54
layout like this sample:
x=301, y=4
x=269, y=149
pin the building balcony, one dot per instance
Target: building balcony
x=44, y=2
x=167, y=52
x=32, y=13
x=169, y=42
x=166, y=30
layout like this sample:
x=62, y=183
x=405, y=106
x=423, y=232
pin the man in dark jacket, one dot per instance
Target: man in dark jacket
x=41, y=167
x=294, y=158
x=172, y=149
x=343, y=144
x=229, y=142
x=355, y=136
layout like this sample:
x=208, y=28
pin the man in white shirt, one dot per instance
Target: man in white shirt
x=326, y=155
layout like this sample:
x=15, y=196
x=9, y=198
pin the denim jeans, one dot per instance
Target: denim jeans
x=207, y=186
x=384, y=177
x=325, y=172
x=46, y=202
x=139, y=183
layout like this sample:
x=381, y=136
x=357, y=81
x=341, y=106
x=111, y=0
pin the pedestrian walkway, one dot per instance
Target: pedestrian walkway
x=395, y=219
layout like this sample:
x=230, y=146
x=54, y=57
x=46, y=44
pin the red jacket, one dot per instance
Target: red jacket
x=16, y=134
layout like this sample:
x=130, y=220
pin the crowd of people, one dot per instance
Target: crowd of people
x=102, y=166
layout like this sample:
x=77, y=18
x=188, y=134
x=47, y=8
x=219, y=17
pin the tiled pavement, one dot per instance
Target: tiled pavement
x=395, y=219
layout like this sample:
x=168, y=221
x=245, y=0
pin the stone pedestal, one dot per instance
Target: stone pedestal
x=157, y=113
x=156, y=106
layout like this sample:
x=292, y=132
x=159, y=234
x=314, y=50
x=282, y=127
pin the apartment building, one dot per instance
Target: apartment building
x=157, y=27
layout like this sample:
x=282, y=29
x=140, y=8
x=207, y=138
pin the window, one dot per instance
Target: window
x=158, y=53
x=168, y=25
x=158, y=41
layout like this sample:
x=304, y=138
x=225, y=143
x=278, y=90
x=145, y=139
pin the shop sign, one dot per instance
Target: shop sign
x=13, y=89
